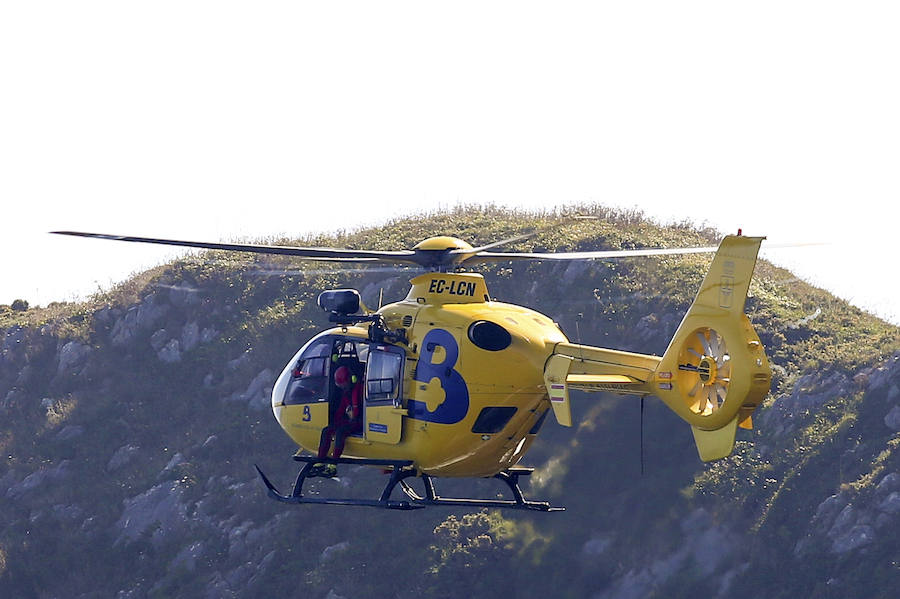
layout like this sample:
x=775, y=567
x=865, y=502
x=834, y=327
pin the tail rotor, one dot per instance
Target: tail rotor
x=705, y=370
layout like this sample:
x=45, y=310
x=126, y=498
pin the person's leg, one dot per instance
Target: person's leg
x=325, y=441
x=340, y=436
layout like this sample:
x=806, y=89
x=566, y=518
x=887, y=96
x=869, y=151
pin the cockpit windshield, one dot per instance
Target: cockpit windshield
x=379, y=364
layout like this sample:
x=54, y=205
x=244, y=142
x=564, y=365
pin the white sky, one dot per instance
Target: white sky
x=212, y=120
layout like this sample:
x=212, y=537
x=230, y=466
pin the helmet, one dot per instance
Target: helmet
x=342, y=376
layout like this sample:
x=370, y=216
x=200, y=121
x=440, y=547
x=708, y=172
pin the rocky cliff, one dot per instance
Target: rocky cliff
x=130, y=425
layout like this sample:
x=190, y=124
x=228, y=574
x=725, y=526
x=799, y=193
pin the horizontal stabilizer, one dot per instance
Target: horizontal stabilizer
x=600, y=379
x=614, y=383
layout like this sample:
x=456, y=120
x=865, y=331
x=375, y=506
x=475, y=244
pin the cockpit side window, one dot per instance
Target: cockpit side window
x=310, y=376
x=383, y=377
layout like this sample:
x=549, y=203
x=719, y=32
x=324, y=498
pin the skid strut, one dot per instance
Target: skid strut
x=400, y=471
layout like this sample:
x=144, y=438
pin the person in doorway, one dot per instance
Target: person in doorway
x=347, y=420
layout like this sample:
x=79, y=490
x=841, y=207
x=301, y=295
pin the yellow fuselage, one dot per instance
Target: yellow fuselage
x=456, y=369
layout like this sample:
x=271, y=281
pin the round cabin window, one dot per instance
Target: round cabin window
x=488, y=335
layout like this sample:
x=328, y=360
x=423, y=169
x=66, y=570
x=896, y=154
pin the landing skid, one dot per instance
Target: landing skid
x=401, y=470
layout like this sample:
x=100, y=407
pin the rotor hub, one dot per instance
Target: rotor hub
x=707, y=370
x=442, y=243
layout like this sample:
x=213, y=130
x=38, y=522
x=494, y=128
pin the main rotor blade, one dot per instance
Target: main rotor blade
x=430, y=259
x=498, y=243
x=614, y=254
x=324, y=254
x=521, y=237
x=337, y=269
x=593, y=255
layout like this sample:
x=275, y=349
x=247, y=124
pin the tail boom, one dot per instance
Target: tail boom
x=714, y=373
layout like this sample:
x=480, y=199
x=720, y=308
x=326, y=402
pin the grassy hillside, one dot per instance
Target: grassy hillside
x=131, y=422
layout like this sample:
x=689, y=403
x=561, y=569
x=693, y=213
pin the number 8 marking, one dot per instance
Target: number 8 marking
x=456, y=403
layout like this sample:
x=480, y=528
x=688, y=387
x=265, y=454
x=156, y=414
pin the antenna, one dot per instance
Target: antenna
x=642, y=434
x=380, y=297
x=578, y=318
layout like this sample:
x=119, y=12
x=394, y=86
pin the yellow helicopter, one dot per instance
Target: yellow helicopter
x=455, y=384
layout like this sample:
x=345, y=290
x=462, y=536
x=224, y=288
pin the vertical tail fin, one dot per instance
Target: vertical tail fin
x=715, y=373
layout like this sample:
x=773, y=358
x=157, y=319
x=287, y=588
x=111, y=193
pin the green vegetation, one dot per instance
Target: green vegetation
x=121, y=430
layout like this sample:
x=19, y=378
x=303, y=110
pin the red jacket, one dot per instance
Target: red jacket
x=351, y=399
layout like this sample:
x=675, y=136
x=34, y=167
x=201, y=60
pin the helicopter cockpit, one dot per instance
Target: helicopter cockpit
x=378, y=365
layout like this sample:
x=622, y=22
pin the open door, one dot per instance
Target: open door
x=384, y=376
